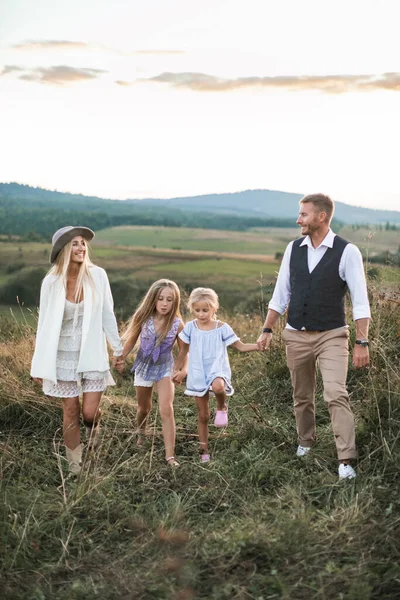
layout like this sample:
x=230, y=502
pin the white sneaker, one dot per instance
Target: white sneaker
x=302, y=451
x=346, y=472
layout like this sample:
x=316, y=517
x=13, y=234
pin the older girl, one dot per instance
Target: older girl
x=156, y=324
x=75, y=318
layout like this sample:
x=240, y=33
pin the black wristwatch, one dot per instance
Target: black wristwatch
x=267, y=330
x=362, y=343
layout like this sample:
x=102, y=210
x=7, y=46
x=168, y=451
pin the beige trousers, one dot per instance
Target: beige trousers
x=329, y=351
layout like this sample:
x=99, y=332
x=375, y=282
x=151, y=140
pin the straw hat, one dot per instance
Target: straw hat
x=66, y=234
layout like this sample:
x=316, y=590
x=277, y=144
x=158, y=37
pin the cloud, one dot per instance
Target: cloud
x=10, y=69
x=50, y=45
x=158, y=52
x=60, y=75
x=33, y=45
x=330, y=84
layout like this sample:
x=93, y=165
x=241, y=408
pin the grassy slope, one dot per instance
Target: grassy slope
x=257, y=523
x=253, y=242
x=257, y=241
x=229, y=261
x=227, y=273
x=372, y=241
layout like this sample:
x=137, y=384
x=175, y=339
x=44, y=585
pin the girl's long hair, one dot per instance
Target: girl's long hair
x=147, y=308
x=61, y=264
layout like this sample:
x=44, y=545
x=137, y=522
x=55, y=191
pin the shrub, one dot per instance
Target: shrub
x=23, y=288
x=15, y=266
x=127, y=294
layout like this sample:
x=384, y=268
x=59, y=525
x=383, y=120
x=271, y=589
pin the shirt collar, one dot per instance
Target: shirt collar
x=327, y=241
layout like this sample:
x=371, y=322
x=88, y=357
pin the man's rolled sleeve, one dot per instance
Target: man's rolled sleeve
x=354, y=275
x=281, y=296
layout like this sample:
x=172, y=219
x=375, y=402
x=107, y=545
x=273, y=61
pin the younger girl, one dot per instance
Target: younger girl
x=157, y=322
x=209, y=368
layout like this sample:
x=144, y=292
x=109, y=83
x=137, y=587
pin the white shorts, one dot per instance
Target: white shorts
x=140, y=382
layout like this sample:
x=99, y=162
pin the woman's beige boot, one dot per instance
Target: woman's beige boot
x=74, y=458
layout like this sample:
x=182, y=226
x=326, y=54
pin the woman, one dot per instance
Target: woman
x=75, y=318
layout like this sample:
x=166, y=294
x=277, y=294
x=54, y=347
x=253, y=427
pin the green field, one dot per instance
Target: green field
x=249, y=242
x=372, y=241
x=222, y=270
x=257, y=241
x=238, y=265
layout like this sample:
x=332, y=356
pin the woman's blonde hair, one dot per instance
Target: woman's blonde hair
x=147, y=308
x=207, y=295
x=61, y=264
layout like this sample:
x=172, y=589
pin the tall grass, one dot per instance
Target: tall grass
x=256, y=523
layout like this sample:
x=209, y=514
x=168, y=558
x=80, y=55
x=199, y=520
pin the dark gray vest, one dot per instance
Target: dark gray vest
x=317, y=298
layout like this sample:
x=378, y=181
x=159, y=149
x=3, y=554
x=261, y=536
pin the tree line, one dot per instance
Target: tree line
x=37, y=220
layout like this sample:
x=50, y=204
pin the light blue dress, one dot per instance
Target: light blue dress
x=208, y=357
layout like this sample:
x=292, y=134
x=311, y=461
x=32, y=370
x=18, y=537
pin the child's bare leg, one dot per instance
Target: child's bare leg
x=221, y=415
x=143, y=397
x=204, y=417
x=166, y=391
x=218, y=387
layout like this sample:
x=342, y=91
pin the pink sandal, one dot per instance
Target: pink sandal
x=221, y=418
x=204, y=458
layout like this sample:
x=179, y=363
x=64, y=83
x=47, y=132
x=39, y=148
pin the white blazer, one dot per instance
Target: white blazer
x=99, y=323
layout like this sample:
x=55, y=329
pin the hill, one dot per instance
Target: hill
x=26, y=209
x=35, y=214
x=274, y=204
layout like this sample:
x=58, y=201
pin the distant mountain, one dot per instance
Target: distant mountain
x=274, y=204
x=262, y=204
x=34, y=214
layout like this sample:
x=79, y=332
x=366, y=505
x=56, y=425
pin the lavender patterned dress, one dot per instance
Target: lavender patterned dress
x=155, y=361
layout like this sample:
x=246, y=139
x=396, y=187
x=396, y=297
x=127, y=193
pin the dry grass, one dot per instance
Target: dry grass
x=256, y=523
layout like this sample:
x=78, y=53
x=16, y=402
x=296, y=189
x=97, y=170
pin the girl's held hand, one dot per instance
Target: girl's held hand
x=119, y=363
x=37, y=380
x=264, y=341
x=178, y=376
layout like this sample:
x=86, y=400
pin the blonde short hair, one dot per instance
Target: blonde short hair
x=206, y=294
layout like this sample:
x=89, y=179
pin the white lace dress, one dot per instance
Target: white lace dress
x=69, y=382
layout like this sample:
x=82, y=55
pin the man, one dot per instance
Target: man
x=316, y=271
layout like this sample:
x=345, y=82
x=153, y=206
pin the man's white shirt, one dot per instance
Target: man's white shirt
x=351, y=270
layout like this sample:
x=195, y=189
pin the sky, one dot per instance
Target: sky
x=164, y=98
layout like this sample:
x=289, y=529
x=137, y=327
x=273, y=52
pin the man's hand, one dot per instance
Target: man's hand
x=360, y=356
x=264, y=341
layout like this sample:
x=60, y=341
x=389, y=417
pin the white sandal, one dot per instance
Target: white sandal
x=172, y=462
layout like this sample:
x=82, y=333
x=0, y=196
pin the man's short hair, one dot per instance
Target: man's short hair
x=322, y=203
